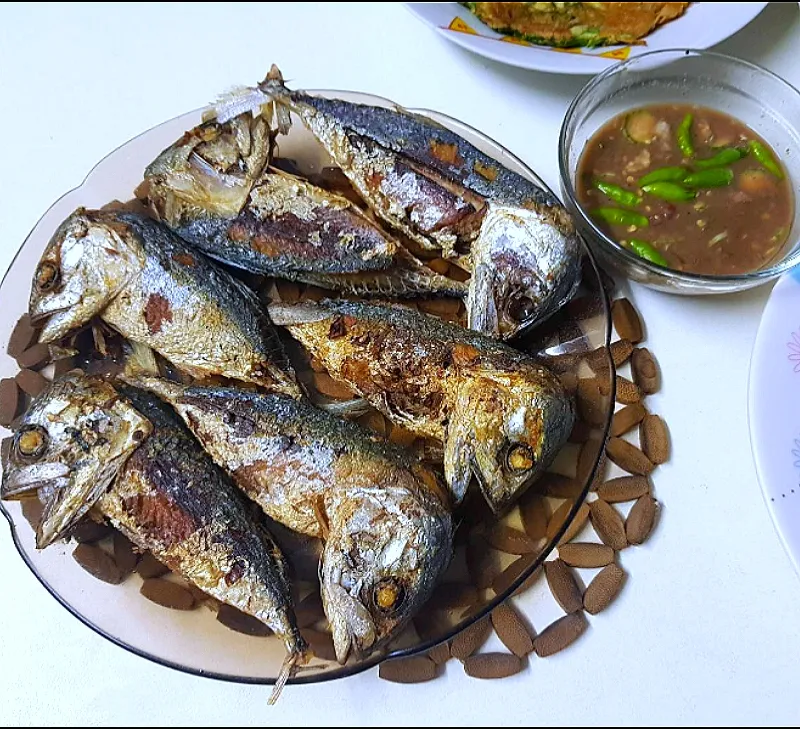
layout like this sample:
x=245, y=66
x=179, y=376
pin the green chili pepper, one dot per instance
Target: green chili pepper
x=684, y=136
x=664, y=174
x=764, y=156
x=669, y=191
x=618, y=194
x=721, y=159
x=716, y=177
x=644, y=250
x=615, y=216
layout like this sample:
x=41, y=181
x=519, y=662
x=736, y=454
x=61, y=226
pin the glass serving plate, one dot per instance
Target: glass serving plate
x=194, y=641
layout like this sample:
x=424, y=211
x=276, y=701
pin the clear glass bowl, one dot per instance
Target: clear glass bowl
x=766, y=103
x=194, y=641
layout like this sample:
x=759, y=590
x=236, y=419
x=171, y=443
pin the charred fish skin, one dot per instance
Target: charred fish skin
x=148, y=285
x=172, y=499
x=443, y=192
x=383, y=516
x=500, y=415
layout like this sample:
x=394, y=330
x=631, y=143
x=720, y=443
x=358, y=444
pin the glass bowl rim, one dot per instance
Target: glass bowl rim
x=612, y=247
x=424, y=645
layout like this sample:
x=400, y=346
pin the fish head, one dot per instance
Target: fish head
x=209, y=170
x=505, y=429
x=69, y=446
x=380, y=565
x=85, y=265
x=525, y=266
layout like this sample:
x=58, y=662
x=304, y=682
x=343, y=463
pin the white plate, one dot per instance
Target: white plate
x=774, y=405
x=703, y=25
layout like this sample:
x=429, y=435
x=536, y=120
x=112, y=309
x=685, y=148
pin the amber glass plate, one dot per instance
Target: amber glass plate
x=194, y=641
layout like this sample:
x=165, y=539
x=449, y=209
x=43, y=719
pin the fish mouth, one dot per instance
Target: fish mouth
x=21, y=481
x=352, y=625
x=55, y=324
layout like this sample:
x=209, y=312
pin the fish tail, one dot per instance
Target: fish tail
x=272, y=86
x=140, y=362
x=290, y=666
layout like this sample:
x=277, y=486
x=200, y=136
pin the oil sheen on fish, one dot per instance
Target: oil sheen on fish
x=444, y=193
x=147, y=284
x=84, y=443
x=274, y=223
x=384, y=516
x=499, y=413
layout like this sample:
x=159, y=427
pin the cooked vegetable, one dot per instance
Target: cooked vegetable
x=664, y=174
x=621, y=217
x=669, y=191
x=756, y=182
x=764, y=156
x=644, y=250
x=721, y=159
x=684, y=136
x=618, y=194
x=640, y=127
x=717, y=177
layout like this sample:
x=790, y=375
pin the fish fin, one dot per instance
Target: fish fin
x=458, y=456
x=322, y=518
x=354, y=408
x=481, y=308
x=140, y=362
x=288, y=669
x=238, y=100
x=285, y=315
x=397, y=282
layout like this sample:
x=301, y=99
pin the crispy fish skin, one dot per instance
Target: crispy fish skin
x=499, y=413
x=210, y=170
x=171, y=499
x=443, y=192
x=290, y=225
x=273, y=223
x=159, y=488
x=148, y=285
x=383, y=516
x=71, y=445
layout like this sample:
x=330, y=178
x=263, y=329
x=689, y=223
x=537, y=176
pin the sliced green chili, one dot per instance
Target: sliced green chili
x=684, y=136
x=615, y=216
x=618, y=194
x=716, y=177
x=764, y=156
x=643, y=249
x=721, y=159
x=664, y=174
x=669, y=191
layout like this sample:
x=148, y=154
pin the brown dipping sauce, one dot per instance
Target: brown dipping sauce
x=736, y=227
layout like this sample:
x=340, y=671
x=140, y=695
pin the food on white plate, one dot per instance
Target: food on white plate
x=566, y=25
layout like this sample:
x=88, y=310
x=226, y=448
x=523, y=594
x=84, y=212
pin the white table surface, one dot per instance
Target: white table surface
x=707, y=629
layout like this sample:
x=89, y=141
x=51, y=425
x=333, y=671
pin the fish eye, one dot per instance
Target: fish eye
x=47, y=276
x=388, y=595
x=520, y=458
x=30, y=442
x=521, y=308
